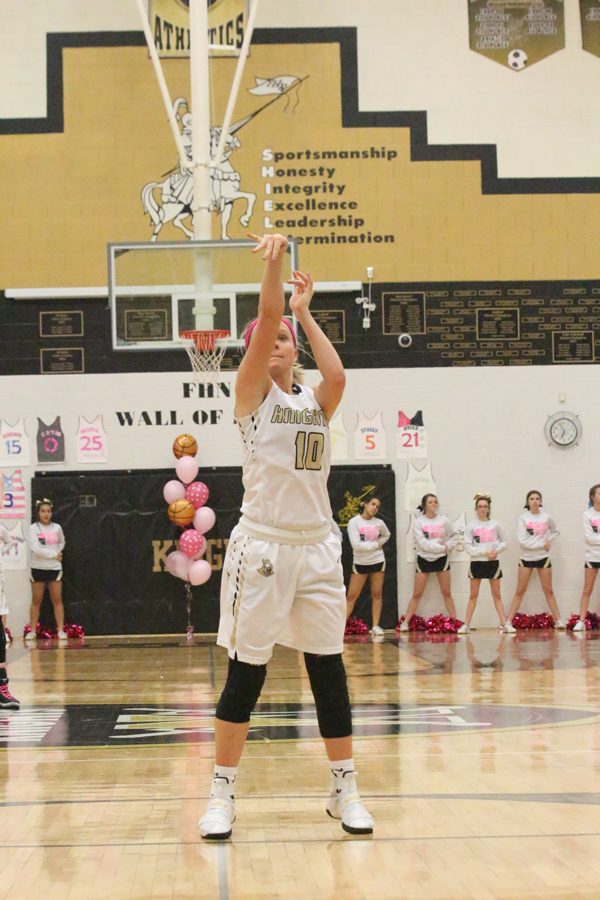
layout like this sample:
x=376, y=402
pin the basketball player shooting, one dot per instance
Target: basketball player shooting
x=282, y=575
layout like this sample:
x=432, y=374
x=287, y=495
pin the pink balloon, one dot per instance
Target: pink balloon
x=191, y=543
x=173, y=490
x=204, y=519
x=200, y=572
x=202, y=549
x=197, y=494
x=186, y=468
x=178, y=564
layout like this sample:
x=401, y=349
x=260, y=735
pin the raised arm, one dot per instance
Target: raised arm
x=328, y=392
x=253, y=381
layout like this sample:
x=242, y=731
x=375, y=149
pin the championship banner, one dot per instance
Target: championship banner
x=516, y=33
x=590, y=25
x=170, y=24
x=118, y=537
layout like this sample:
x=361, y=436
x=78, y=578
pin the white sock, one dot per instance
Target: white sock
x=343, y=773
x=224, y=775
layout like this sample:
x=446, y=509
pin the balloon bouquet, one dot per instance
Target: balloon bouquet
x=187, y=510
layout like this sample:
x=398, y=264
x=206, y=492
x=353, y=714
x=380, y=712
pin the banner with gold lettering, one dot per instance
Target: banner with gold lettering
x=516, y=33
x=170, y=24
x=590, y=25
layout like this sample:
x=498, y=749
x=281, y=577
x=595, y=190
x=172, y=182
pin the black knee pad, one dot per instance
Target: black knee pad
x=242, y=690
x=2, y=644
x=327, y=677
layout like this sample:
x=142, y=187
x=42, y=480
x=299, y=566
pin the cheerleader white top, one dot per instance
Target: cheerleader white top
x=46, y=542
x=483, y=537
x=367, y=537
x=591, y=531
x=533, y=531
x=434, y=537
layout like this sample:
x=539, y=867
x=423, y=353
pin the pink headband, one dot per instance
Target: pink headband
x=252, y=326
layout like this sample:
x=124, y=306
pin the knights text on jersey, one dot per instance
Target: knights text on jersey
x=287, y=457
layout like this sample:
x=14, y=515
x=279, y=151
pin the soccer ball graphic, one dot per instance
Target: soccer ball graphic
x=517, y=59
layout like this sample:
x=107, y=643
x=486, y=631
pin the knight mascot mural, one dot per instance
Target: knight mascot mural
x=170, y=200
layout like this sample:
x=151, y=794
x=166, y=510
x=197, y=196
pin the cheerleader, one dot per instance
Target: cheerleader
x=536, y=532
x=484, y=541
x=367, y=536
x=7, y=701
x=46, y=542
x=591, y=531
x=435, y=537
x=6, y=538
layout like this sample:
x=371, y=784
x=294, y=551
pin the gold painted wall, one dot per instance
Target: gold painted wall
x=66, y=195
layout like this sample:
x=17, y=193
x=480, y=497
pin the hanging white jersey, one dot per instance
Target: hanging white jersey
x=287, y=457
x=418, y=482
x=13, y=496
x=50, y=442
x=411, y=437
x=91, y=441
x=409, y=540
x=369, y=437
x=14, y=444
x=339, y=438
x=13, y=549
x=459, y=554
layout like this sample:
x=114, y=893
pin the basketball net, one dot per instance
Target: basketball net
x=204, y=353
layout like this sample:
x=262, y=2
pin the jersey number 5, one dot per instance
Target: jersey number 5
x=309, y=449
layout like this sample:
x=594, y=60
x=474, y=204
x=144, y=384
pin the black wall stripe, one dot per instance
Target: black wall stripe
x=352, y=117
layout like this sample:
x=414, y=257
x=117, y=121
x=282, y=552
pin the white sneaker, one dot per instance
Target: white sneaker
x=464, y=629
x=509, y=628
x=346, y=805
x=219, y=815
x=579, y=625
x=377, y=630
x=404, y=626
x=31, y=636
x=559, y=624
x=62, y=635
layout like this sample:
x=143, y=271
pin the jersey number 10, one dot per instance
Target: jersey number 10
x=309, y=449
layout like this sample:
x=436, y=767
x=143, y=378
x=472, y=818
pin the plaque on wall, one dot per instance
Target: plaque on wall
x=333, y=323
x=403, y=312
x=498, y=324
x=61, y=323
x=146, y=325
x=572, y=346
x=62, y=361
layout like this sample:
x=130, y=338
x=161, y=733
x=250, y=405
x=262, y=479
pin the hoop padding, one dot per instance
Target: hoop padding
x=204, y=353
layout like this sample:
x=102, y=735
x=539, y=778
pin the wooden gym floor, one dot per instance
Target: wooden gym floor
x=479, y=757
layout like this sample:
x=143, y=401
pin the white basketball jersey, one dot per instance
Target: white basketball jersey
x=418, y=482
x=411, y=437
x=14, y=444
x=13, y=496
x=409, y=540
x=459, y=554
x=339, y=438
x=369, y=437
x=91, y=441
x=287, y=457
x=14, y=554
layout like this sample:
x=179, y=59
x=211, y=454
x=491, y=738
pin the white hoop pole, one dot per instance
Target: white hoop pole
x=200, y=120
x=183, y=159
x=235, y=86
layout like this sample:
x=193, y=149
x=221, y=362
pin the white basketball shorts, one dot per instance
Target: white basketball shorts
x=277, y=592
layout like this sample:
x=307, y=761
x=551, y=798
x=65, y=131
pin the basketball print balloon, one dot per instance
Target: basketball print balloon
x=185, y=445
x=181, y=512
